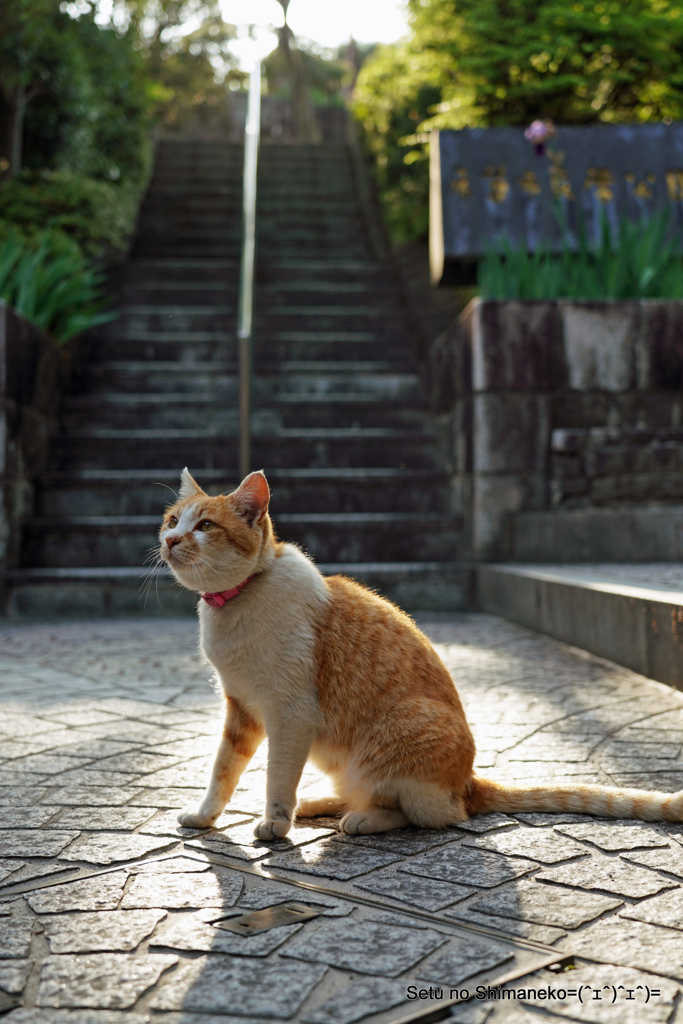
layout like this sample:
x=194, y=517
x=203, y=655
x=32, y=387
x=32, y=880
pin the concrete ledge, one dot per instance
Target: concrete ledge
x=637, y=623
x=599, y=535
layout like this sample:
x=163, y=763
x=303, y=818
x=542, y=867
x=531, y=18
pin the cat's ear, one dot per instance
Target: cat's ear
x=251, y=498
x=188, y=485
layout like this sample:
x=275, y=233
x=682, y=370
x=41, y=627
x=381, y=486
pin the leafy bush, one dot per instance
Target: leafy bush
x=49, y=281
x=97, y=215
x=643, y=261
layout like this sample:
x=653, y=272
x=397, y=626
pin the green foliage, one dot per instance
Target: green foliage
x=48, y=280
x=643, y=261
x=484, y=63
x=78, y=88
x=97, y=215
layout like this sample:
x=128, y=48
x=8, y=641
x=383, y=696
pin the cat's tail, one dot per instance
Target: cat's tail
x=484, y=795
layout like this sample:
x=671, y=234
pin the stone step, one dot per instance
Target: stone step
x=221, y=291
x=281, y=346
x=599, y=535
x=288, y=449
x=217, y=380
x=269, y=413
x=146, y=492
x=631, y=614
x=45, y=594
x=343, y=537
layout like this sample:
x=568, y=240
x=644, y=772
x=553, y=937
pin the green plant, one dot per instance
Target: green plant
x=643, y=261
x=49, y=281
x=97, y=215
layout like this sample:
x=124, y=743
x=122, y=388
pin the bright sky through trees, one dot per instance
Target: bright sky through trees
x=327, y=22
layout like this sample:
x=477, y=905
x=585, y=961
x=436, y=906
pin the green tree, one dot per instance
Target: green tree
x=501, y=62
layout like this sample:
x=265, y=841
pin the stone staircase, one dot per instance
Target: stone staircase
x=340, y=424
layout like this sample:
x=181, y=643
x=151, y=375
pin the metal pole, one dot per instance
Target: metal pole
x=246, y=296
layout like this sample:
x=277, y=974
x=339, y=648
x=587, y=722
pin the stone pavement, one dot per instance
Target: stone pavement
x=111, y=913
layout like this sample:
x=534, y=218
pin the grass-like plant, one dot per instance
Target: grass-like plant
x=643, y=261
x=50, y=282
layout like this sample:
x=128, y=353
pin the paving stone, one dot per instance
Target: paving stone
x=616, y=835
x=25, y=817
x=486, y=822
x=116, y=931
x=528, y=900
x=20, y=796
x=95, y=777
x=364, y=947
x=138, y=762
x=267, y=895
x=524, y=929
x=191, y=933
x=35, y=1016
x=32, y=869
x=8, y=867
x=361, y=998
x=15, y=937
x=426, y=893
x=110, y=981
x=474, y=1013
x=163, y=797
x=643, y=765
x=665, y=909
x=84, y=796
x=669, y=860
x=248, y=987
x=32, y=843
x=14, y=975
x=167, y=824
x=607, y=874
x=109, y=848
x=540, y=818
x=631, y=944
x=108, y=818
x=174, y=863
x=331, y=860
x=544, y=846
x=607, y=979
x=402, y=841
x=218, y=887
x=462, y=864
x=465, y=957
x=49, y=764
x=103, y=892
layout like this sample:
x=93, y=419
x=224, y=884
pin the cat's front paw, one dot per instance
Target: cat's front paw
x=272, y=828
x=195, y=819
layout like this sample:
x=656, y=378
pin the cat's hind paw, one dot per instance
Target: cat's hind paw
x=377, y=819
x=272, y=828
x=195, y=819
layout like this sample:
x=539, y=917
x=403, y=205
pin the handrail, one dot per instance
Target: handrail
x=245, y=311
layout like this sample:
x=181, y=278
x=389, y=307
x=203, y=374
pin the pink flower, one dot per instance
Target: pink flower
x=539, y=132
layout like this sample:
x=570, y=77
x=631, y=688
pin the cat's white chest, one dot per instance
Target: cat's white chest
x=263, y=650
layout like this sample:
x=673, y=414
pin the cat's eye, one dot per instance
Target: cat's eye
x=205, y=526
x=172, y=523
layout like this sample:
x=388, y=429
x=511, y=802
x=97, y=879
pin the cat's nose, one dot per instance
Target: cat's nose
x=172, y=540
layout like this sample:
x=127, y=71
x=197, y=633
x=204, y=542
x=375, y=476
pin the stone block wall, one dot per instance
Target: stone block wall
x=34, y=376
x=546, y=405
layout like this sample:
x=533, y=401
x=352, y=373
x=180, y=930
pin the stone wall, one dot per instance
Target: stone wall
x=545, y=404
x=34, y=376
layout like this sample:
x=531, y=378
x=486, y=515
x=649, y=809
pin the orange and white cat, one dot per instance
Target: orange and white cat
x=327, y=670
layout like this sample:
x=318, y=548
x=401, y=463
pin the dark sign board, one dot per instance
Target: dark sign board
x=488, y=184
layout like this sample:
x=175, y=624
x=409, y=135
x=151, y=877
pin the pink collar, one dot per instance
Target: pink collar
x=218, y=600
